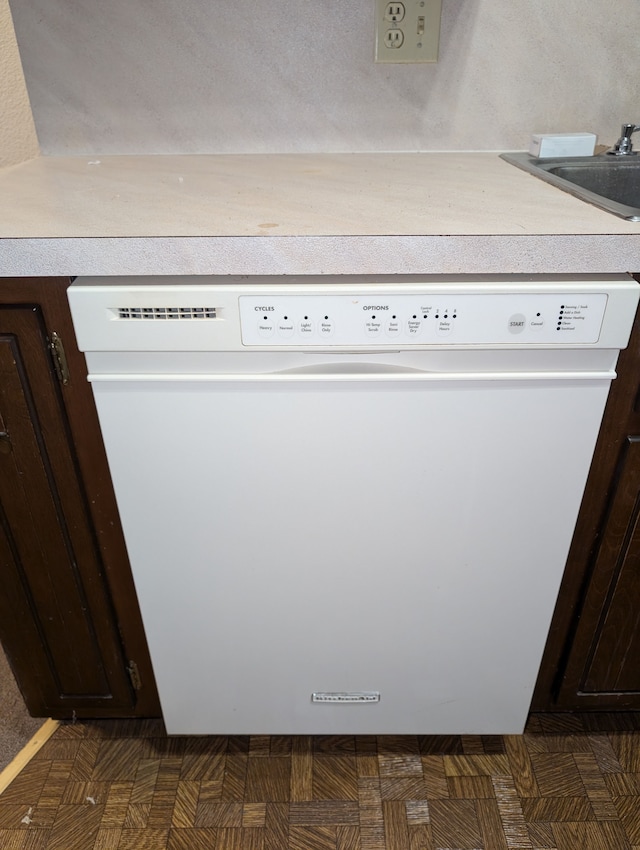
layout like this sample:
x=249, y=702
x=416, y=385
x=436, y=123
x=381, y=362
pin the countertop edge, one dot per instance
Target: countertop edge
x=321, y=255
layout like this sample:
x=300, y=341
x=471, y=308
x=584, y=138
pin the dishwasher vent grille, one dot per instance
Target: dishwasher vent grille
x=165, y=313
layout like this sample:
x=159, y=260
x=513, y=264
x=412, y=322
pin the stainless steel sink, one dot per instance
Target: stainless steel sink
x=609, y=182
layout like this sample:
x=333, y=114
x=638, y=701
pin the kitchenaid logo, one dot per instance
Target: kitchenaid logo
x=373, y=307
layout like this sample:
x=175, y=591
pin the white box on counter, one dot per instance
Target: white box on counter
x=562, y=144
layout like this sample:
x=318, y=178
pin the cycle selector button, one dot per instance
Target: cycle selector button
x=266, y=327
x=286, y=327
x=326, y=327
x=305, y=327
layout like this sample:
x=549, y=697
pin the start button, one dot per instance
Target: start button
x=516, y=323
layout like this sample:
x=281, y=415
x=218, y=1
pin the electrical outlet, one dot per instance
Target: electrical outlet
x=408, y=31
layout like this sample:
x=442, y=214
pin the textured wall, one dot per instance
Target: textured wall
x=211, y=76
x=18, y=140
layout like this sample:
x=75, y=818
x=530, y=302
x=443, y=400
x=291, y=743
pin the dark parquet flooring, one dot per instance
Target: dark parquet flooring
x=570, y=783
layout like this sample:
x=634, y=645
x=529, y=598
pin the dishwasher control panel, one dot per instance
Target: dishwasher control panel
x=214, y=313
x=388, y=319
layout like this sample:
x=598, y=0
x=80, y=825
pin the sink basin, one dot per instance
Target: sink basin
x=609, y=182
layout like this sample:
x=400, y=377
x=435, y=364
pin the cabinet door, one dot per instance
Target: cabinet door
x=59, y=618
x=592, y=659
x=610, y=622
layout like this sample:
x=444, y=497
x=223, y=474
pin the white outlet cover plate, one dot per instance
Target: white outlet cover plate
x=408, y=31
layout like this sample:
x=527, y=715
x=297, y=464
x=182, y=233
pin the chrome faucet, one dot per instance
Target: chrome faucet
x=623, y=146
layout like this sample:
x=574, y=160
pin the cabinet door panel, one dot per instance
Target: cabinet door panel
x=54, y=594
x=614, y=662
x=592, y=658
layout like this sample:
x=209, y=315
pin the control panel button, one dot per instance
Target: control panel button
x=414, y=326
x=393, y=327
x=286, y=328
x=305, y=328
x=537, y=323
x=517, y=323
x=266, y=327
x=326, y=327
x=373, y=327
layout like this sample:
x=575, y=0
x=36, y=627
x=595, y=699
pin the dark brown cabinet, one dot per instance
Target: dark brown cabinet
x=592, y=659
x=69, y=621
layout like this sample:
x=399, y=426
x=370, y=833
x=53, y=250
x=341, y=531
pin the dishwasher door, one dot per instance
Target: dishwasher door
x=348, y=553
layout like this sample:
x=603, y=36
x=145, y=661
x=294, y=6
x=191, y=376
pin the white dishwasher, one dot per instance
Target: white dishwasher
x=348, y=501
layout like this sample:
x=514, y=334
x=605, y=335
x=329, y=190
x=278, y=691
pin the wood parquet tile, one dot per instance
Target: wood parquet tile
x=571, y=782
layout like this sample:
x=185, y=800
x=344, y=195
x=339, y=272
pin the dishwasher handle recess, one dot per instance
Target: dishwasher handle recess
x=348, y=373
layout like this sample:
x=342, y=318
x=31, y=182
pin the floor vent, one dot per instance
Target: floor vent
x=165, y=313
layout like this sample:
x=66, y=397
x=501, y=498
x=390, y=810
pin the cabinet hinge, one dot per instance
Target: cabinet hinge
x=59, y=358
x=134, y=675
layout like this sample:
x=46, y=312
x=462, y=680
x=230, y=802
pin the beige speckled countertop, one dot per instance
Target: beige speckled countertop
x=300, y=214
